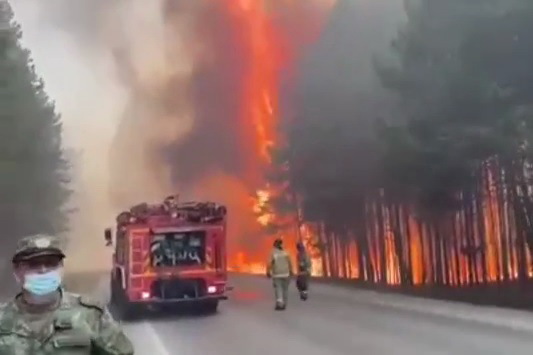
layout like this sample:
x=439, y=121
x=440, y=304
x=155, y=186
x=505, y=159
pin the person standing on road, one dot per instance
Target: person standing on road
x=279, y=268
x=304, y=271
x=43, y=319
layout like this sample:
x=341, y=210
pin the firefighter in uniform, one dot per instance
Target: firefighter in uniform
x=280, y=270
x=304, y=271
x=43, y=319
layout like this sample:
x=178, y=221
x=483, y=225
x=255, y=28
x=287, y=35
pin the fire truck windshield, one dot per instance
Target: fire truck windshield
x=178, y=249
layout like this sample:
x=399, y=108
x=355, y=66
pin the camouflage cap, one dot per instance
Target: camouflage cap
x=38, y=245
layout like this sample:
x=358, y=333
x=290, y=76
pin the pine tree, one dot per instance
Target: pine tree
x=451, y=166
x=33, y=170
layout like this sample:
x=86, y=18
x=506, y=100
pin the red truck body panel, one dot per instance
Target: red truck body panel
x=144, y=282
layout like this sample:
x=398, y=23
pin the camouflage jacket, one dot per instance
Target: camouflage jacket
x=80, y=326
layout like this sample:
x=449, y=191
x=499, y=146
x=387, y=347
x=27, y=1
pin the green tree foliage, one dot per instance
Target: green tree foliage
x=33, y=171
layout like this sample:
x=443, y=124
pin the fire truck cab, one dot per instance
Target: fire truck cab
x=166, y=254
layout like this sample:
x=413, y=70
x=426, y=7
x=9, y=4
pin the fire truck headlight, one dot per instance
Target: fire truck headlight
x=212, y=289
x=145, y=295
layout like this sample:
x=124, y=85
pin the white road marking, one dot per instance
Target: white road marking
x=149, y=334
x=159, y=348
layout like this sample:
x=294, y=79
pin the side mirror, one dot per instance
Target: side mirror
x=108, y=236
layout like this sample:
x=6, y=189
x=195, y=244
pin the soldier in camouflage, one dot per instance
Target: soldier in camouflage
x=43, y=319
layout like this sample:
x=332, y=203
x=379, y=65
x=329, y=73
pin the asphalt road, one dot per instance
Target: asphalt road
x=336, y=320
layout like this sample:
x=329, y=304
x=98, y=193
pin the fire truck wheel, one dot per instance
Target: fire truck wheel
x=116, y=290
x=121, y=308
x=113, y=296
x=129, y=312
x=209, y=307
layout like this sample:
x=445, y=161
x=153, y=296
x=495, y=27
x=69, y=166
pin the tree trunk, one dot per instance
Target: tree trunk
x=515, y=183
x=323, y=249
x=456, y=251
x=470, y=240
x=503, y=203
x=446, y=255
x=481, y=242
x=331, y=253
x=398, y=242
x=409, y=242
x=380, y=239
x=437, y=235
x=424, y=245
x=365, y=262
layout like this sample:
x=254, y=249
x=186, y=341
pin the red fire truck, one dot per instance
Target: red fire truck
x=166, y=254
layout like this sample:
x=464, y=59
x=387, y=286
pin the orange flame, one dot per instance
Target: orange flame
x=269, y=51
x=260, y=103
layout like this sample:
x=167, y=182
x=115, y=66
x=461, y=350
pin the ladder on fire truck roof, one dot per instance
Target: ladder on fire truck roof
x=193, y=211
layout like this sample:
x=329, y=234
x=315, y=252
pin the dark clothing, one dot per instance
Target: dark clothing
x=302, y=282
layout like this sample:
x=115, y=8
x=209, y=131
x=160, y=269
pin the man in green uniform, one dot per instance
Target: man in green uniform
x=279, y=268
x=304, y=271
x=43, y=319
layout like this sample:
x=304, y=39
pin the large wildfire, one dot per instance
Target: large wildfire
x=205, y=82
x=205, y=85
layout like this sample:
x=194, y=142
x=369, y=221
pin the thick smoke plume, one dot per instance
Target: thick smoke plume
x=202, y=131
x=69, y=41
x=201, y=122
x=167, y=96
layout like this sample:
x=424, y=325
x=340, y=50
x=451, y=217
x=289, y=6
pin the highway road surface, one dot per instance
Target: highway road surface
x=336, y=320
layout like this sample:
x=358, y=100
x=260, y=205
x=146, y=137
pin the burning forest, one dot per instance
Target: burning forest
x=393, y=137
x=204, y=121
x=437, y=189
x=391, y=170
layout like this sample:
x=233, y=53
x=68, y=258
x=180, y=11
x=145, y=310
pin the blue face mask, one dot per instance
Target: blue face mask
x=43, y=284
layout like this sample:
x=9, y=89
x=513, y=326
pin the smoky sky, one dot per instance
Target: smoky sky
x=81, y=19
x=328, y=63
x=341, y=62
x=216, y=141
x=223, y=136
x=337, y=90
